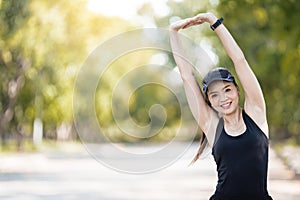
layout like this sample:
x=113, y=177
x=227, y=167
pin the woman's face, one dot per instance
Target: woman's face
x=223, y=96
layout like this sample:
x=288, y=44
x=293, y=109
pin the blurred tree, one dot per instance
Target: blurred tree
x=267, y=32
x=42, y=45
x=13, y=64
x=128, y=71
x=269, y=36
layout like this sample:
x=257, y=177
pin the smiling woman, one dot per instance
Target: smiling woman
x=238, y=136
x=223, y=91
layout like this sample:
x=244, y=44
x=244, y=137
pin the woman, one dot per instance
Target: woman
x=238, y=136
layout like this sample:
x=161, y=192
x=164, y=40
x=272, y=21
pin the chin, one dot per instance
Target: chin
x=228, y=112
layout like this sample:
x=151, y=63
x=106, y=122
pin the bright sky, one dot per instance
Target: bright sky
x=126, y=9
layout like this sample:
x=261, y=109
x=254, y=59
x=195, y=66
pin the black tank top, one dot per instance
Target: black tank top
x=242, y=163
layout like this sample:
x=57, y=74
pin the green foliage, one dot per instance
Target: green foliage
x=138, y=101
x=44, y=43
x=269, y=35
x=42, y=46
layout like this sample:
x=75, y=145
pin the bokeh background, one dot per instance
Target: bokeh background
x=43, y=45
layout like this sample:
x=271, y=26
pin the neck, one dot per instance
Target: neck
x=233, y=123
x=234, y=117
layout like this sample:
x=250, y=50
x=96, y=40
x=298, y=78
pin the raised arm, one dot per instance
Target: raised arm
x=203, y=114
x=254, y=99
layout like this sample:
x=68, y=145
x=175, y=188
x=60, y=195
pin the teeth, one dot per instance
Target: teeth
x=225, y=105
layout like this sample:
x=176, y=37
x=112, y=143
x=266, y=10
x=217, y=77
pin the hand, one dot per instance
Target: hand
x=205, y=17
x=197, y=20
x=181, y=24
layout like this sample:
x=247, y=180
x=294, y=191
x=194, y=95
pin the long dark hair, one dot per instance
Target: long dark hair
x=203, y=144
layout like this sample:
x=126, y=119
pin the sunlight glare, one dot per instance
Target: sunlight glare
x=126, y=9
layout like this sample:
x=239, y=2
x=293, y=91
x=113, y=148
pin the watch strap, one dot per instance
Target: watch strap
x=217, y=23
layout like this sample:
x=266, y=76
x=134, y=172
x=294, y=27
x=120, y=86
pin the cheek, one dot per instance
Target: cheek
x=234, y=95
x=214, y=101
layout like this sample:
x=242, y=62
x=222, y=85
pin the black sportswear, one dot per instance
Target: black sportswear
x=242, y=163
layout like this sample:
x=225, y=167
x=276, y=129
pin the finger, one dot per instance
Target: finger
x=188, y=25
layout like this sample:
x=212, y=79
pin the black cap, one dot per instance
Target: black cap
x=217, y=74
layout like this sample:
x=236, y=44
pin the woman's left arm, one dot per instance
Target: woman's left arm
x=254, y=100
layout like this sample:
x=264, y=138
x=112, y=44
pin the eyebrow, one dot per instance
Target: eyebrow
x=226, y=86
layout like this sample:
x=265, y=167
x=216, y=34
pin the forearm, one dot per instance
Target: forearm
x=231, y=47
x=195, y=98
x=253, y=93
x=185, y=68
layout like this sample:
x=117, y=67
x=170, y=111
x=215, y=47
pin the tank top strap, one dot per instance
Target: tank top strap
x=248, y=120
x=251, y=124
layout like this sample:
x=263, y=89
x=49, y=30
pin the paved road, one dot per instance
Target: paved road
x=72, y=174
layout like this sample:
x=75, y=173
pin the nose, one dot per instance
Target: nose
x=222, y=96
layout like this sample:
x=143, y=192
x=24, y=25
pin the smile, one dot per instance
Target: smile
x=226, y=105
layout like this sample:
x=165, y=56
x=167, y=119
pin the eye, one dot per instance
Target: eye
x=227, y=89
x=214, y=96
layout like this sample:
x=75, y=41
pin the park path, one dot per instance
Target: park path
x=72, y=174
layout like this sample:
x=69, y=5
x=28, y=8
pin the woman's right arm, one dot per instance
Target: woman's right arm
x=203, y=114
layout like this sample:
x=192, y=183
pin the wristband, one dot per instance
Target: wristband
x=217, y=23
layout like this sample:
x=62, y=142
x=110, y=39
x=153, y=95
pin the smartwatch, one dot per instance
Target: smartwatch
x=217, y=23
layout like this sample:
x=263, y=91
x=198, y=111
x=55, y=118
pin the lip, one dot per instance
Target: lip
x=226, y=105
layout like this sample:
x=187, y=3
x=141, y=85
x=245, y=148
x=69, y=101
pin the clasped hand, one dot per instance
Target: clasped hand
x=196, y=20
